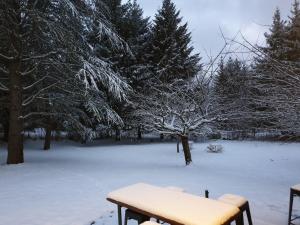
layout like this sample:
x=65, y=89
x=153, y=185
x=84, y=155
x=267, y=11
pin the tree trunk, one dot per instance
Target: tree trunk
x=47, y=143
x=5, y=131
x=186, y=149
x=254, y=133
x=139, y=133
x=161, y=136
x=15, y=136
x=118, y=134
x=178, y=143
x=83, y=140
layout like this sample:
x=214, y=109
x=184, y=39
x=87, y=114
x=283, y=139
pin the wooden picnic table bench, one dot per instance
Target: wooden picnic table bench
x=173, y=207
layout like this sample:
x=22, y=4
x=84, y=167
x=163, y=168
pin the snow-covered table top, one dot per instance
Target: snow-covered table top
x=296, y=187
x=172, y=206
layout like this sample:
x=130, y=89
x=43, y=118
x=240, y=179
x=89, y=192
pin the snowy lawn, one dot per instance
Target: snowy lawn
x=68, y=185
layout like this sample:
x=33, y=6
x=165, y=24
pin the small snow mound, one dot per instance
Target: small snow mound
x=150, y=223
x=214, y=148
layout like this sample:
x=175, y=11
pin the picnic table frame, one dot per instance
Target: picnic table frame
x=237, y=218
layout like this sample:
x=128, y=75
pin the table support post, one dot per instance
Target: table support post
x=206, y=194
x=119, y=215
x=239, y=219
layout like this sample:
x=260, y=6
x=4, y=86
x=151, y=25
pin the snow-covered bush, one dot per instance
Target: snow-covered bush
x=214, y=148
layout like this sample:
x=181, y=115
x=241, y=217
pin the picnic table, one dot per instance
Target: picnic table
x=173, y=207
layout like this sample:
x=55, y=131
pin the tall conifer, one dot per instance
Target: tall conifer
x=172, y=54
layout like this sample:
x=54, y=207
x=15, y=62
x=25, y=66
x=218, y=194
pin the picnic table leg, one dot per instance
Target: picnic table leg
x=119, y=215
x=239, y=219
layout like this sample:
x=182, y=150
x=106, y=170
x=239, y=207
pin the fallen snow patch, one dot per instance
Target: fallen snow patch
x=68, y=185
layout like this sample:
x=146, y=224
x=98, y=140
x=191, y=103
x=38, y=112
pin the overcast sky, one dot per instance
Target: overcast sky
x=206, y=16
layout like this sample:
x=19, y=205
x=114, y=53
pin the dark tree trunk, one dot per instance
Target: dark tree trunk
x=178, y=143
x=118, y=134
x=5, y=130
x=161, y=136
x=15, y=136
x=139, y=133
x=83, y=140
x=186, y=149
x=47, y=143
x=254, y=133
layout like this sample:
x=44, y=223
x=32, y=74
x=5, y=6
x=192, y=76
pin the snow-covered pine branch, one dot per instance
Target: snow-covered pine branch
x=95, y=71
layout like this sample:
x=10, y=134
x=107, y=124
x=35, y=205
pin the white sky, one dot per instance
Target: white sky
x=206, y=16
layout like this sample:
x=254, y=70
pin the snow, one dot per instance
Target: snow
x=296, y=187
x=150, y=223
x=233, y=199
x=69, y=184
x=177, y=206
x=172, y=188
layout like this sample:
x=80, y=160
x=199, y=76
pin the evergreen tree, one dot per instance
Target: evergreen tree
x=230, y=80
x=135, y=66
x=46, y=61
x=275, y=84
x=292, y=39
x=172, y=54
x=114, y=12
x=291, y=70
x=136, y=33
x=265, y=75
x=231, y=92
x=276, y=37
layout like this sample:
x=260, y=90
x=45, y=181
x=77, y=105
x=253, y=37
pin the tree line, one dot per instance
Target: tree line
x=266, y=90
x=95, y=67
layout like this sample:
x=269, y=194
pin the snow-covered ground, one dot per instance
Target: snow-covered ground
x=68, y=185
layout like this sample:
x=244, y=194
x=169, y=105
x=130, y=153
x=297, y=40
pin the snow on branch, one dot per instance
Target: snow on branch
x=95, y=72
x=178, y=109
x=5, y=58
x=115, y=40
x=3, y=87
